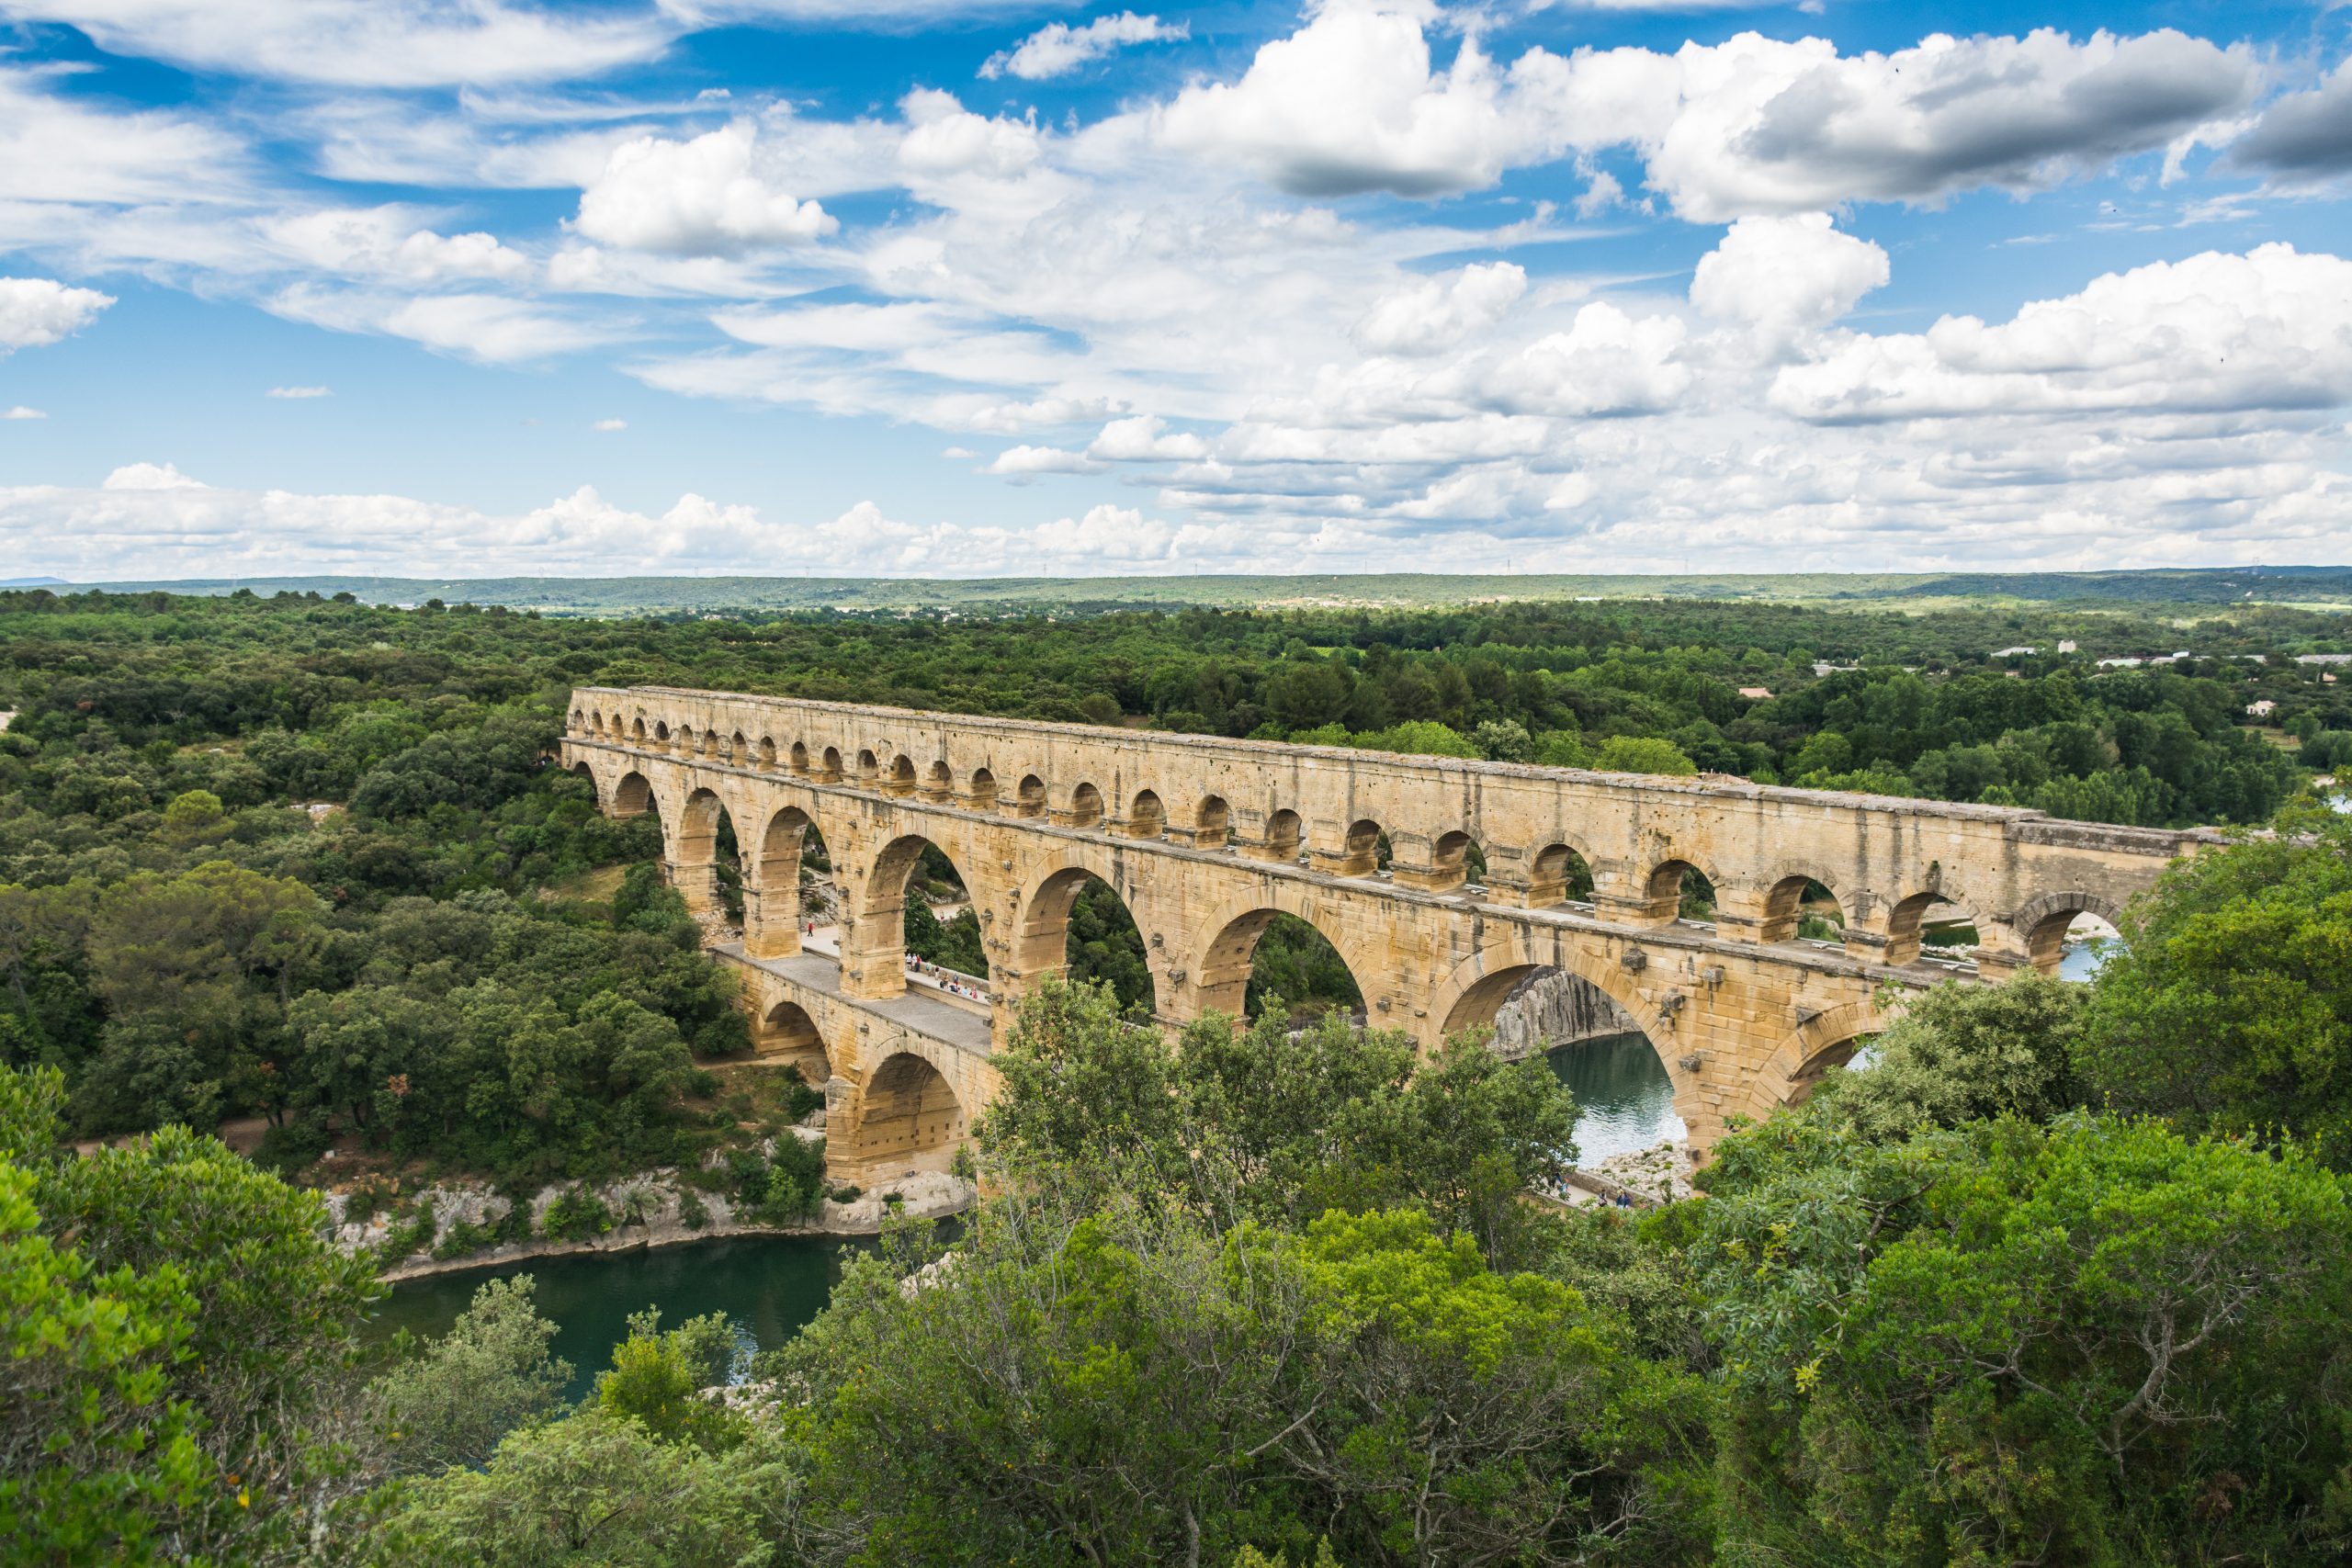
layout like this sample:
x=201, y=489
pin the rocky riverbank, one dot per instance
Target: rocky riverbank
x=444, y=1227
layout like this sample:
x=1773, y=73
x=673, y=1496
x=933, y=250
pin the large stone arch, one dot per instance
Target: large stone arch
x=772, y=880
x=905, y=1115
x=784, y=1031
x=1040, y=942
x=874, y=946
x=1221, y=948
x=1820, y=1043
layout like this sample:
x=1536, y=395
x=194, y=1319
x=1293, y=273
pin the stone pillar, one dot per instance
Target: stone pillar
x=1620, y=898
x=1412, y=862
x=1744, y=914
x=1511, y=878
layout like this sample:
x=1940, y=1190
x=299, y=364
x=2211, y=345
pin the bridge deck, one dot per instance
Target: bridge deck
x=917, y=1012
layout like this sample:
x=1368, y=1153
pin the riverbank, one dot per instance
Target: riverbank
x=447, y=1226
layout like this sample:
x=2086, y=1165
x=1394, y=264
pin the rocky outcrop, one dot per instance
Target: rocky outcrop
x=649, y=1210
x=1554, y=1008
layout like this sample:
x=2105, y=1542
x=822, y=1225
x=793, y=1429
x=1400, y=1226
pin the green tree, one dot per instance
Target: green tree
x=2229, y=1006
x=453, y=1400
x=597, y=1490
x=2096, y=1342
x=1643, y=754
x=1963, y=1054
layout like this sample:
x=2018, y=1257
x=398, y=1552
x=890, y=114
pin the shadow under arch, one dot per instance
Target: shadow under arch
x=786, y=1032
x=908, y=1119
x=632, y=796
x=1223, y=963
x=776, y=904
x=1075, y=922
x=1825, y=1041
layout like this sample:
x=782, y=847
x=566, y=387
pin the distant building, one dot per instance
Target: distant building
x=2121, y=663
x=2017, y=652
x=2323, y=659
x=2262, y=709
x=1756, y=693
x=1833, y=669
x=2068, y=646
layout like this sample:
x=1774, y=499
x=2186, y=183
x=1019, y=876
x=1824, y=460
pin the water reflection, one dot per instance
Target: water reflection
x=1623, y=1089
x=769, y=1287
x=2082, y=958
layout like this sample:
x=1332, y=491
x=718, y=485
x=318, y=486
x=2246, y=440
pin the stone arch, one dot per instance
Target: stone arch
x=764, y=759
x=868, y=767
x=879, y=930
x=1469, y=997
x=1475, y=991
x=908, y=1118
x=1784, y=903
x=2042, y=924
x=698, y=866
x=660, y=731
x=1029, y=800
x=582, y=770
x=1147, y=817
x=981, y=795
x=739, y=751
x=787, y=1032
x=579, y=719
x=1222, y=962
x=1085, y=806
x=1359, y=850
x=939, y=783
x=900, y=780
x=799, y=758
x=829, y=769
x=1042, y=944
x=1212, y=823
x=1663, y=889
x=1825, y=1039
x=1561, y=872
x=1907, y=921
x=1285, y=830
x=1456, y=859
x=687, y=740
x=771, y=901
x=632, y=796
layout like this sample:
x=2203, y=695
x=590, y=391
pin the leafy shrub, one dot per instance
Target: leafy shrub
x=577, y=1215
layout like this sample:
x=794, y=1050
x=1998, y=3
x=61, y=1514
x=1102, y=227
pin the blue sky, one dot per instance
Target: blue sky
x=474, y=287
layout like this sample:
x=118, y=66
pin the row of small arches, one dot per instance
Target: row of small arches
x=1558, y=874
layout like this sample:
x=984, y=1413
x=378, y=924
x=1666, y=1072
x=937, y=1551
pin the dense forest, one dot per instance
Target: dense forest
x=302, y=859
x=2060, y=1277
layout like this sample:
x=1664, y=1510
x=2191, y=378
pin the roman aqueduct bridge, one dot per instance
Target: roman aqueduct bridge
x=1206, y=839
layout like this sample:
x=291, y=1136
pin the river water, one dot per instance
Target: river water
x=767, y=1286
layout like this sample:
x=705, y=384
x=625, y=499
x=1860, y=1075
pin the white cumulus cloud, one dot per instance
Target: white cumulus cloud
x=2216, y=333
x=1438, y=312
x=37, y=311
x=1784, y=278
x=708, y=195
x=1057, y=48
